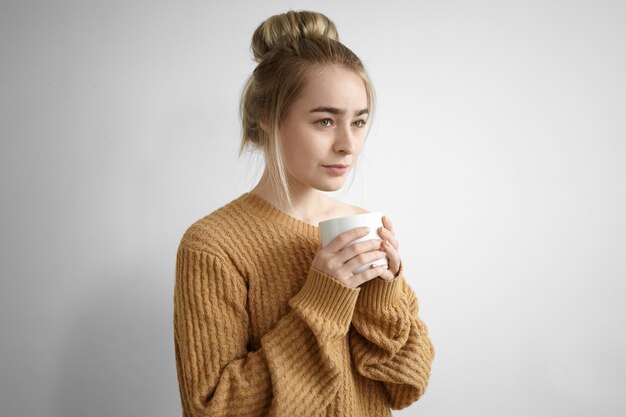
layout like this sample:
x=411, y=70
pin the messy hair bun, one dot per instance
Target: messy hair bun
x=289, y=28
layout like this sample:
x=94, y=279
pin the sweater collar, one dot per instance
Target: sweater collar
x=258, y=206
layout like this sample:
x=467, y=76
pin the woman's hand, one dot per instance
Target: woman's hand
x=338, y=259
x=391, y=248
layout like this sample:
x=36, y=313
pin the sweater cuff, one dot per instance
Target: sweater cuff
x=378, y=294
x=326, y=297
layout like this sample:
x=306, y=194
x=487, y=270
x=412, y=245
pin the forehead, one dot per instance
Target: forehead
x=333, y=85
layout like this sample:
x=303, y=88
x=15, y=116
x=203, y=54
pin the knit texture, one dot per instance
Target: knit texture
x=258, y=331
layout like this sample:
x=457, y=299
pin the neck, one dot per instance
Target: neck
x=308, y=203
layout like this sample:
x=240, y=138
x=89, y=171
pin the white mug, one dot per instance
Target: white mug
x=329, y=229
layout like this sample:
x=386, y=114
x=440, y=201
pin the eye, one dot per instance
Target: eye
x=360, y=123
x=322, y=122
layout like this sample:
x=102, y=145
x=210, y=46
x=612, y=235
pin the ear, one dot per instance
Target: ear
x=263, y=126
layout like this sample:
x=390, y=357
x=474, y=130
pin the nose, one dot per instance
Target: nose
x=345, y=140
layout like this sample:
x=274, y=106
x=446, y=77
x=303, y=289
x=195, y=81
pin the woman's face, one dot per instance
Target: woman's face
x=324, y=126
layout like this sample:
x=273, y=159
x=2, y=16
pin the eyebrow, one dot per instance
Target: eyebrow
x=335, y=110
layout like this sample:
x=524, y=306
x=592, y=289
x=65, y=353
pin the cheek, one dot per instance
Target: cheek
x=297, y=154
x=302, y=145
x=286, y=149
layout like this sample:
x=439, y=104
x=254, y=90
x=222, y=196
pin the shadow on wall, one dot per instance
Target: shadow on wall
x=118, y=359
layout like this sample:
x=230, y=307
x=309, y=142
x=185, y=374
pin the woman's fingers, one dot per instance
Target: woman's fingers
x=364, y=258
x=350, y=251
x=393, y=256
x=342, y=239
x=388, y=234
x=343, y=256
x=390, y=245
x=387, y=224
x=370, y=273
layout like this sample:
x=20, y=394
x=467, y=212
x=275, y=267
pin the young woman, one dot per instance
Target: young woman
x=267, y=322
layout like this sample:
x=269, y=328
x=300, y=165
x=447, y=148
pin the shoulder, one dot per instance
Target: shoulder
x=214, y=231
x=203, y=236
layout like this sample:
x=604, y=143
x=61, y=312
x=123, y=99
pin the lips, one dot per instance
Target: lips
x=336, y=166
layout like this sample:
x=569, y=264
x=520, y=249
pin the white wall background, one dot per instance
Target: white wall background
x=499, y=147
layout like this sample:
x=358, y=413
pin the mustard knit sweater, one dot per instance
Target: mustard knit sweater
x=258, y=331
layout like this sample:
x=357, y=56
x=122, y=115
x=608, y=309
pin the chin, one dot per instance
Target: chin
x=330, y=187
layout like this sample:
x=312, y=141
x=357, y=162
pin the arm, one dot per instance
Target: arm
x=389, y=342
x=294, y=372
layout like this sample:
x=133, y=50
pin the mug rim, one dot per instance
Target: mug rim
x=352, y=215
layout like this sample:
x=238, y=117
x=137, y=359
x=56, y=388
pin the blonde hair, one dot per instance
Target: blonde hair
x=288, y=47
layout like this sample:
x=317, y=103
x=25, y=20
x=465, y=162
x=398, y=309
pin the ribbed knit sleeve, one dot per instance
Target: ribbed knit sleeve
x=389, y=342
x=296, y=370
